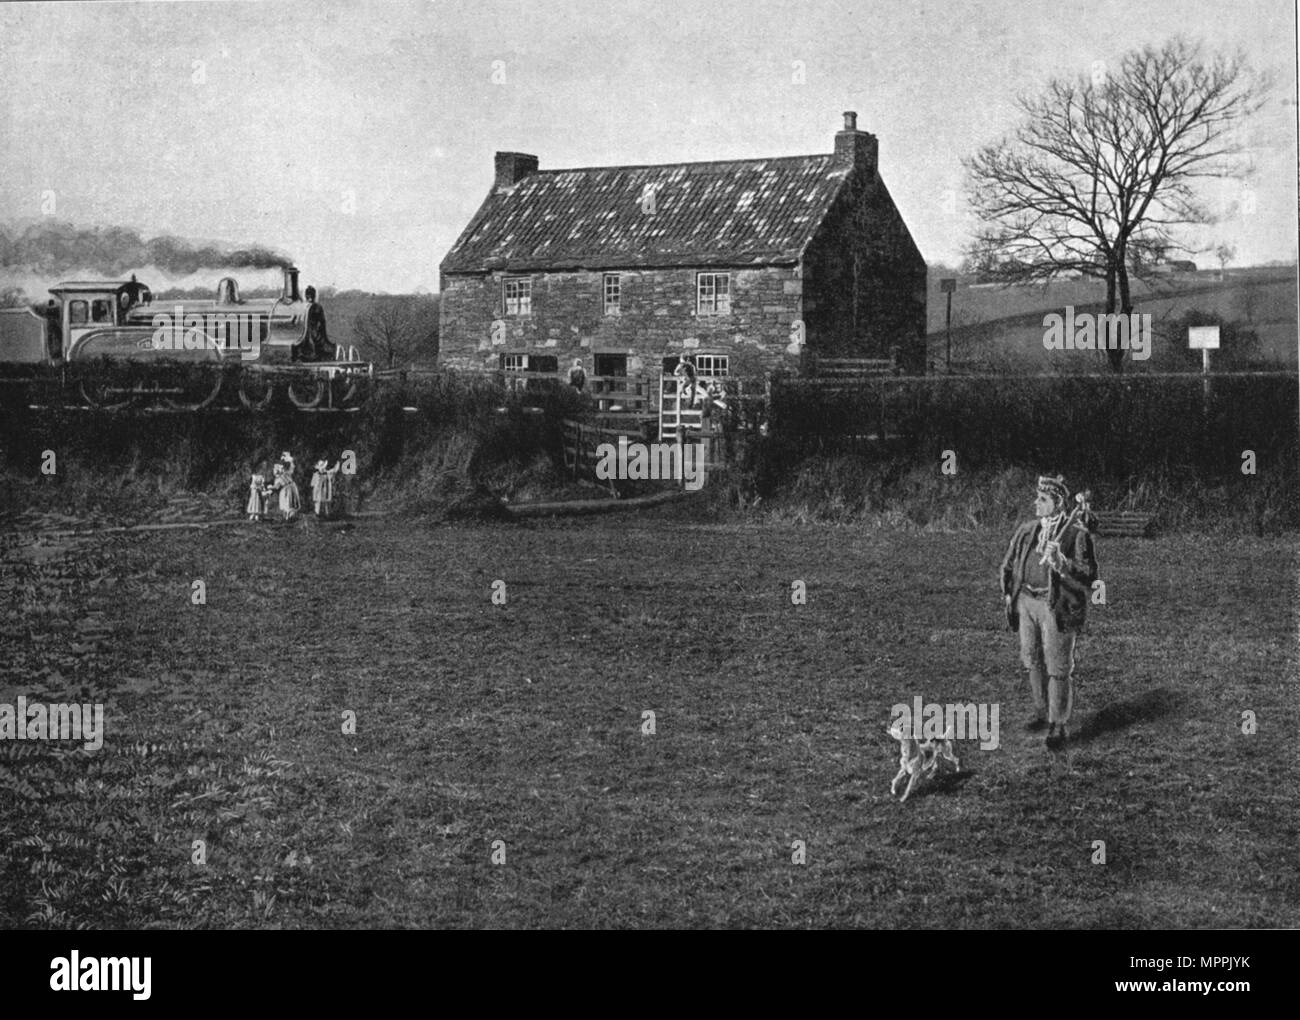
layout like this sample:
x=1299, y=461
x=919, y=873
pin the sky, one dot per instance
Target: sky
x=358, y=137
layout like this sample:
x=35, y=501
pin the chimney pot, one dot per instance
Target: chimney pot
x=290, y=292
x=855, y=149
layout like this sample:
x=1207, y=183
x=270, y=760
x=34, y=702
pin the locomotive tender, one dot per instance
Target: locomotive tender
x=181, y=353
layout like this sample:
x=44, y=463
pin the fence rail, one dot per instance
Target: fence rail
x=1123, y=523
x=582, y=440
x=854, y=367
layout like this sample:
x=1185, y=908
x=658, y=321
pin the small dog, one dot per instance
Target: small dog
x=917, y=757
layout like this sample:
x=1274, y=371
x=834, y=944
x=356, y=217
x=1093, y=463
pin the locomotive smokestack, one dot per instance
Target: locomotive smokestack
x=291, y=284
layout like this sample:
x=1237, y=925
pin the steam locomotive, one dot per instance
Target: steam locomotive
x=109, y=344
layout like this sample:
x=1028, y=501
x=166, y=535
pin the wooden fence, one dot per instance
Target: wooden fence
x=582, y=440
x=852, y=368
x=614, y=394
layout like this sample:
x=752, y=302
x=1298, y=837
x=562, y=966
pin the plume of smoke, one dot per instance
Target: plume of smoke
x=55, y=247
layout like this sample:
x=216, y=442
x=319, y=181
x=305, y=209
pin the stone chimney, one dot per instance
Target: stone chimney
x=855, y=148
x=513, y=167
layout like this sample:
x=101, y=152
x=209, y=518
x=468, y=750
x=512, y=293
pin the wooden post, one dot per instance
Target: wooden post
x=948, y=285
x=1206, y=338
x=1205, y=379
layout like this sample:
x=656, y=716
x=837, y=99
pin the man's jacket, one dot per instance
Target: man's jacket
x=1068, y=590
x=316, y=341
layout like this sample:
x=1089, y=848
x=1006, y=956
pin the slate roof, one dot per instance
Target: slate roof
x=753, y=211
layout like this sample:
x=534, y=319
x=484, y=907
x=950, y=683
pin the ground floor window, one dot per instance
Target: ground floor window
x=522, y=370
x=711, y=365
x=706, y=366
x=611, y=364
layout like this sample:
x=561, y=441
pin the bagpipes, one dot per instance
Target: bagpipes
x=1080, y=507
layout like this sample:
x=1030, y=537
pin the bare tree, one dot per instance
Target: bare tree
x=1103, y=170
x=399, y=331
x=1224, y=253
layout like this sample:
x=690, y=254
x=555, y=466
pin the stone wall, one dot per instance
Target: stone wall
x=865, y=280
x=657, y=319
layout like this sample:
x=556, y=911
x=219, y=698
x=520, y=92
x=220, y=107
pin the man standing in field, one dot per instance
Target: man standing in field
x=1047, y=577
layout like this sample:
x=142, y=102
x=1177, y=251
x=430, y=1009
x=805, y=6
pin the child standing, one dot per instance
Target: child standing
x=288, y=488
x=322, y=488
x=257, y=492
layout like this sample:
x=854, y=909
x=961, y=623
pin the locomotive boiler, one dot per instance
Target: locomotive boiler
x=110, y=344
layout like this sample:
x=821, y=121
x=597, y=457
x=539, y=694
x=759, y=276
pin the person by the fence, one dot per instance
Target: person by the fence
x=1047, y=577
x=688, y=391
x=684, y=373
x=577, y=375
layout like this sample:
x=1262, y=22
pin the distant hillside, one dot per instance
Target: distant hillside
x=1003, y=326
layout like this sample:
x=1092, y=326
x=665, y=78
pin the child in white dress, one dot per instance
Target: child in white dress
x=257, y=492
x=288, y=489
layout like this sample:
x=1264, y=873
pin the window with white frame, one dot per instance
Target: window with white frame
x=517, y=297
x=713, y=293
x=514, y=366
x=711, y=365
x=613, y=293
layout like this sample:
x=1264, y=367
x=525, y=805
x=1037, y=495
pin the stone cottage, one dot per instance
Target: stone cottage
x=745, y=265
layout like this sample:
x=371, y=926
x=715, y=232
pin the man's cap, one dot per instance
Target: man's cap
x=1054, y=486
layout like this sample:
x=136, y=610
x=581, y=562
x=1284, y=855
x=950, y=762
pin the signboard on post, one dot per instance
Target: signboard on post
x=947, y=286
x=1204, y=339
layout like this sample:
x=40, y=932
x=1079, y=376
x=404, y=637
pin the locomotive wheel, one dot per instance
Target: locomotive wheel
x=306, y=394
x=355, y=392
x=195, y=396
x=255, y=391
x=105, y=396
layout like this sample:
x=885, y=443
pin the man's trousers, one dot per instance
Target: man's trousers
x=1048, y=653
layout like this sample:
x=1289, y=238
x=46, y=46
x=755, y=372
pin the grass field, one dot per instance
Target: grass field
x=523, y=722
x=1004, y=325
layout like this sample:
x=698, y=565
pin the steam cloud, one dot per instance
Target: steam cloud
x=53, y=248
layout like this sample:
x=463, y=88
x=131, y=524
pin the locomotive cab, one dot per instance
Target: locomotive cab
x=89, y=305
